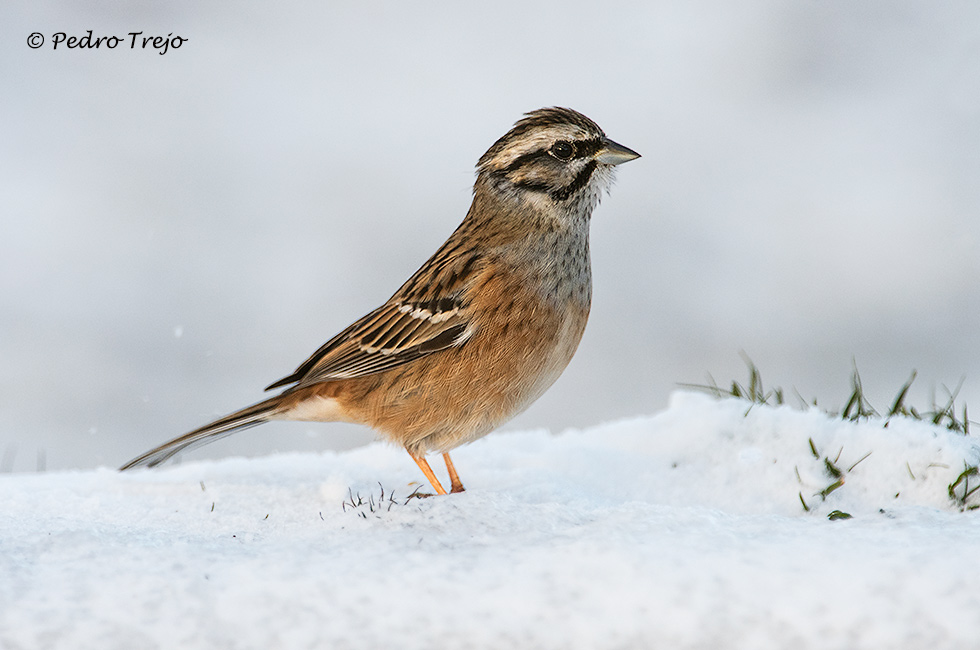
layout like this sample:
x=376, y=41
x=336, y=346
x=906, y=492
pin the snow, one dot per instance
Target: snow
x=679, y=530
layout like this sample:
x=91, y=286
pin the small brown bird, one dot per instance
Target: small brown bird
x=484, y=327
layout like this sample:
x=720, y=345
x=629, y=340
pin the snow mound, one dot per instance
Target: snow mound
x=681, y=530
x=743, y=458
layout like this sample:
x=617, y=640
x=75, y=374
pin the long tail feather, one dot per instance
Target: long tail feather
x=249, y=416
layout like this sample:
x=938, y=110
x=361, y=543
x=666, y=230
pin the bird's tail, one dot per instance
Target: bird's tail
x=249, y=416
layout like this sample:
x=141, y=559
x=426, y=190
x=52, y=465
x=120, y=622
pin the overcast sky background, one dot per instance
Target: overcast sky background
x=179, y=230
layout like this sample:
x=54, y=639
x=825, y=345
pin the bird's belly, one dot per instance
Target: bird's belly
x=459, y=395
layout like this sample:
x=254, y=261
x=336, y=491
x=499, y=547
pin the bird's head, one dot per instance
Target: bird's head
x=556, y=154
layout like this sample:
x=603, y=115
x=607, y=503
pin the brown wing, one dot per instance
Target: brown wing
x=429, y=313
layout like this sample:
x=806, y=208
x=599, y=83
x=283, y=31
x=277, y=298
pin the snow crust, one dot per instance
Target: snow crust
x=679, y=530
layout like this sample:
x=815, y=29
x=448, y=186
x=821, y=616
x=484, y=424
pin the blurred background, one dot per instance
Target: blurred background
x=179, y=230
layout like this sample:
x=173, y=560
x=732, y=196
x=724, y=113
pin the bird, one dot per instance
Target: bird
x=483, y=328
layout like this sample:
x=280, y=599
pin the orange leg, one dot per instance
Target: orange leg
x=429, y=474
x=453, y=476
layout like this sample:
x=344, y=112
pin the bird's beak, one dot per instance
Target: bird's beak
x=613, y=153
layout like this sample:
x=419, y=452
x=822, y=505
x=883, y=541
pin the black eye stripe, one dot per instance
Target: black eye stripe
x=582, y=149
x=587, y=148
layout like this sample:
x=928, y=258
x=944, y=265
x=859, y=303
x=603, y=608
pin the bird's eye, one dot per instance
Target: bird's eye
x=562, y=150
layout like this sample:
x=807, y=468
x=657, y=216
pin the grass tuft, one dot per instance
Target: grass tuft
x=960, y=490
x=377, y=505
x=858, y=408
x=755, y=392
x=363, y=507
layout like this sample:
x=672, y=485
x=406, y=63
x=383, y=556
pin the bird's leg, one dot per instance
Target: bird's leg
x=429, y=474
x=453, y=476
